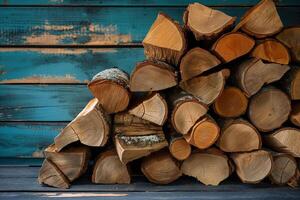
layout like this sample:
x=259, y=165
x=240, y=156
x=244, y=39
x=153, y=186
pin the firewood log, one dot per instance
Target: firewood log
x=165, y=41
x=272, y=51
x=231, y=103
x=205, y=22
x=178, y=146
x=133, y=147
x=269, y=109
x=261, y=21
x=160, y=168
x=284, y=168
x=196, y=61
x=49, y=174
x=207, y=88
x=186, y=110
x=295, y=114
x=154, y=109
x=291, y=83
x=231, y=46
x=109, y=169
x=152, y=76
x=210, y=167
x=290, y=37
x=204, y=133
x=71, y=161
x=253, y=74
x=111, y=88
x=238, y=136
x=90, y=127
x=285, y=140
x=252, y=167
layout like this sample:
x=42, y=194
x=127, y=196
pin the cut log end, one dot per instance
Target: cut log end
x=179, y=148
x=110, y=87
x=295, y=115
x=231, y=103
x=253, y=167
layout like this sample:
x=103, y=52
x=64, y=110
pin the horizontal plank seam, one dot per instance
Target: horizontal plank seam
x=133, y=45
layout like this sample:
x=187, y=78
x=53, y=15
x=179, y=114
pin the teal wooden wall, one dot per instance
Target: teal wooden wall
x=50, y=49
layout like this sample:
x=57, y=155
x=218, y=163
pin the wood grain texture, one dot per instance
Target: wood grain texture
x=94, y=25
x=63, y=65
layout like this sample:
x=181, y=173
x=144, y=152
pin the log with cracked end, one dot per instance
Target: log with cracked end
x=161, y=168
x=261, y=21
x=111, y=88
x=130, y=148
x=238, y=135
x=213, y=162
x=285, y=140
x=196, y=61
x=254, y=166
x=91, y=127
x=71, y=161
x=273, y=51
x=253, y=74
x=165, y=41
x=284, y=168
x=205, y=22
x=49, y=174
x=290, y=83
x=152, y=75
x=109, y=169
x=269, y=109
x=232, y=45
x=153, y=108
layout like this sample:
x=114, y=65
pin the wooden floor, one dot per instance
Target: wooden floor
x=21, y=183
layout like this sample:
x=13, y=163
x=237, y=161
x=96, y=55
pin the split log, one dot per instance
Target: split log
x=154, y=109
x=269, y=109
x=165, y=41
x=50, y=175
x=239, y=136
x=109, y=169
x=178, y=146
x=272, y=51
x=205, y=22
x=186, y=110
x=111, y=88
x=196, y=61
x=71, y=161
x=231, y=46
x=152, y=76
x=261, y=21
x=161, y=168
x=253, y=74
x=285, y=140
x=209, y=167
x=231, y=103
x=127, y=124
x=284, y=168
x=90, y=127
x=295, y=114
x=252, y=167
x=291, y=83
x=290, y=37
x=130, y=148
x=206, y=88
x=204, y=133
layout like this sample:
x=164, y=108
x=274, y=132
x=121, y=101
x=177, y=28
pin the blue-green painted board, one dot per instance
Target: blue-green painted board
x=63, y=65
x=141, y=2
x=27, y=140
x=42, y=102
x=94, y=25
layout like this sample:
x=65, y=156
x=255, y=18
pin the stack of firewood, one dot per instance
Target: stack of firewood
x=178, y=117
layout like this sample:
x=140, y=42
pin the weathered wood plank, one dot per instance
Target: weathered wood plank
x=63, y=65
x=94, y=25
x=139, y=2
x=42, y=102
